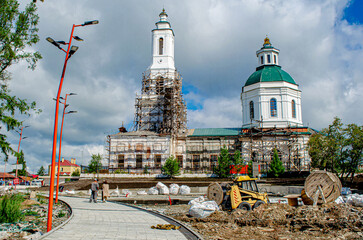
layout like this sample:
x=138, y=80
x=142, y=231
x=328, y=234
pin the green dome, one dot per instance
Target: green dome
x=269, y=73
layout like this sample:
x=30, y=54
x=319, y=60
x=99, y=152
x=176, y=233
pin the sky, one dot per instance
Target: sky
x=320, y=43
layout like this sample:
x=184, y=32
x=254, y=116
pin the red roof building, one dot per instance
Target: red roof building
x=66, y=167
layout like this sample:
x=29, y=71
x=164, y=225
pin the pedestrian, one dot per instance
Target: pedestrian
x=105, y=191
x=94, y=191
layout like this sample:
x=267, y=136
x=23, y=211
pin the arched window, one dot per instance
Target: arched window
x=252, y=110
x=293, y=108
x=161, y=46
x=269, y=58
x=273, y=107
x=261, y=59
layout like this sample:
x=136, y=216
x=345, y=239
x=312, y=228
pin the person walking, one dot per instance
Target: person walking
x=105, y=191
x=94, y=191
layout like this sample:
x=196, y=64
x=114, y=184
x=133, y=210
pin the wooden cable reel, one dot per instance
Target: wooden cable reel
x=321, y=186
x=215, y=193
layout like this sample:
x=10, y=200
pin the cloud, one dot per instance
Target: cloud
x=215, y=45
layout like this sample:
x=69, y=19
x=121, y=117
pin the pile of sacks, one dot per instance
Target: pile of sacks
x=200, y=208
x=174, y=189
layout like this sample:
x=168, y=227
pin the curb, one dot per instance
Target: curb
x=61, y=225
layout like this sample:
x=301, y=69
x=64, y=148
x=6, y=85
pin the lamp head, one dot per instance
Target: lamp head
x=72, y=51
x=77, y=38
x=62, y=42
x=90, y=23
x=72, y=94
x=72, y=112
x=51, y=40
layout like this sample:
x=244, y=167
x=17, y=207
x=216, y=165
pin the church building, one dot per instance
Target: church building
x=271, y=118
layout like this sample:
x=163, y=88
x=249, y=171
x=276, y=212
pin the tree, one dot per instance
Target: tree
x=18, y=31
x=249, y=169
x=276, y=167
x=224, y=162
x=95, y=163
x=76, y=173
x=337, y=148
x=41, y=171
x=237, y=161
x=353, y=150
x=171, y=166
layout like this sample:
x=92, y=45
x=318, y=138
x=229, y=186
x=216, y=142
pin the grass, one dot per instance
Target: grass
x=10, y=208
x=61, y=214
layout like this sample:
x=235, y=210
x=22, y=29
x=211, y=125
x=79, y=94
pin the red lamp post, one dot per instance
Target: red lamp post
x=17, y=159
x=60, y=140
x=70, y=51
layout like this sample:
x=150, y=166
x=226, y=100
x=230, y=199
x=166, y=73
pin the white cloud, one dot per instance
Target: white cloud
x=215, y=44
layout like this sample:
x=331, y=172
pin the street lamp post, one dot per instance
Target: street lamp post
x=17, y=159
x=60, y=140
x=70, y=51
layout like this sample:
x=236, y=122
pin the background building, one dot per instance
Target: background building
x=66, y=167
x=271, y=117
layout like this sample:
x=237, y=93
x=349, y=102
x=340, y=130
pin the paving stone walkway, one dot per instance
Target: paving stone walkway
x=110, y=221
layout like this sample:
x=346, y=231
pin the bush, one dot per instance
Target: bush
x=118, y=171
x=61, y=214
x=76, y=173
x=171, y=167
x=10, y=211
x=146, y=170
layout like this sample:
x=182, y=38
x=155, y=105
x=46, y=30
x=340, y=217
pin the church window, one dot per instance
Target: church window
x=293, y=108
x=268, y=58
x=275, y=59
x=273, y=107
x=252, y=110
x=261, y=59
x=161, y=46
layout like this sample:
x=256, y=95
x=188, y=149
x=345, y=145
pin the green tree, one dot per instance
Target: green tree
x=224, y=162
x=95, y=163
x=171, y=167
x=337, y=148
x=276, y=167
x=237, y=161
x=76, y=173
x=18, y=31
x=353, y=151
x=249, y=169
x=41, y=171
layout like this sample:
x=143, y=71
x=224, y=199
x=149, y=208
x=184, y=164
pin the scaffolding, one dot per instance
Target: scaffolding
x=160, y=108
x=258, y=145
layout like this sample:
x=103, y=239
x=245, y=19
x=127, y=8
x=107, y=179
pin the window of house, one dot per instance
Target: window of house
x=275, y=60
x=293, y=108
x=273, y=107
x=268, y=58
x=252, y=110
x=161, y=46
x=261, y=59
x=180, y=160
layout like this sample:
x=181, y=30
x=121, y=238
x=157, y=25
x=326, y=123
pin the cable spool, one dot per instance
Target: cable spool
x=215, y=193
x=330, y=187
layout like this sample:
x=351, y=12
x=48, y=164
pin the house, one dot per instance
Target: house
x=66, y=167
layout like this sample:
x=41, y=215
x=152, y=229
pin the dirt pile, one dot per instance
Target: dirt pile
x=280, y=221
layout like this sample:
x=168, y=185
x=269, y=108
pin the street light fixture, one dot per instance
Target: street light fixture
x=52, y=172
x=65, y=105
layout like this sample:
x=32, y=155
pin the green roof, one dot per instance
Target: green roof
x=199, y=132
x=269, y=73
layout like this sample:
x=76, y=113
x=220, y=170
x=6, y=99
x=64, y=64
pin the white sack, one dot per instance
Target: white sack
x=174, y=189
x=115, y=192
x=153, y=191
x=339, y=200
x=196, y=200
x=355, y=200
x=141, y=193
x=204, y=209
x=163, y=189
x=184, y=190
x=126, y=192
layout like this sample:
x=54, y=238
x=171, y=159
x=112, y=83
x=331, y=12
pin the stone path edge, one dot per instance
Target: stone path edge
x=163, y=215
x=61, y=225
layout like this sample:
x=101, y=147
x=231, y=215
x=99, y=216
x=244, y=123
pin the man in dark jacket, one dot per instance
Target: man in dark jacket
x=94, y=191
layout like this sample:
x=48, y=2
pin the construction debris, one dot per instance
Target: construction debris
x=166, y=227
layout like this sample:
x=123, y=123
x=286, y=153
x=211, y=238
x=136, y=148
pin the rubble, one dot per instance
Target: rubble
x=276, y=221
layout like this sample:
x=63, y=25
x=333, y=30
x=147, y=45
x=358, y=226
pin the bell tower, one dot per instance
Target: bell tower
x=162, y=46
x=161, y=108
